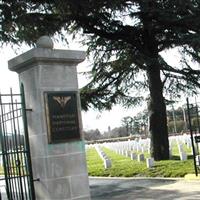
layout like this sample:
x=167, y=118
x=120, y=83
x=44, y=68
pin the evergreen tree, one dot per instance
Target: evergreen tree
x=125, y=39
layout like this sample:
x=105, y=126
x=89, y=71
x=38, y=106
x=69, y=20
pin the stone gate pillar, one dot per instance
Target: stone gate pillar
x=50, y=81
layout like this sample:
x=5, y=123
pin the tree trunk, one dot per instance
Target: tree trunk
x=157, y=114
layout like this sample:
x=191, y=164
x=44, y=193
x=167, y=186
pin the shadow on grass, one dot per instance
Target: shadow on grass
x=175, y=157
x=190, y=157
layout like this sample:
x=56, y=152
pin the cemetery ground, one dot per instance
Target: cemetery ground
x=126, y=178
x=124, y=166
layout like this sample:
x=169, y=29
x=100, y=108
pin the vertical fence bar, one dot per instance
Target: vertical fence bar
x=21, y=151
x=27, y=146
x=197, y=115
x=14, y=178
x=191, y=135
x=17, y=159
x=4, y=152
x=14, y=157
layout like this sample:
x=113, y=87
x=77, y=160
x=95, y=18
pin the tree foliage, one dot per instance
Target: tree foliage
x=136, y=125
x=116, y=132
x=120, y=35
x=125, y=39
x=92, y=135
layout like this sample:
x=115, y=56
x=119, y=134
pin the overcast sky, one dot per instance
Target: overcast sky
x=91, y=119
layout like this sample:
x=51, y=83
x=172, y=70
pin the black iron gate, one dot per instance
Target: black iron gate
x=194, y=128
x=15, y=151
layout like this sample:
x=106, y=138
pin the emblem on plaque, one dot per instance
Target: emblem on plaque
x=61, y=100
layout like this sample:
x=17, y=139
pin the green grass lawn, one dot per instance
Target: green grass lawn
x=176, y=152
x=125, y=167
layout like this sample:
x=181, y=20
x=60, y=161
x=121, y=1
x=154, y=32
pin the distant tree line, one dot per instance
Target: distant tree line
x=177, y=122
x=95, y=134
x=136, y=125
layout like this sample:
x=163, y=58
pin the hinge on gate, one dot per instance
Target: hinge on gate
x=36, y=179
x=29, y=109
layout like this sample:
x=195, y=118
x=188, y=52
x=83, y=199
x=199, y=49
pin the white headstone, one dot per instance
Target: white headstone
x=150, y=162
x=183, y=156
x=127, y=153
x=107, y=163
x=198, y=160
x=140, y=157
x=170, y=152
x=133, y=156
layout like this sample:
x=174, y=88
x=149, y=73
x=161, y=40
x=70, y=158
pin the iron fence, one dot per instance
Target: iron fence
x=194, y=128
x=15, y=151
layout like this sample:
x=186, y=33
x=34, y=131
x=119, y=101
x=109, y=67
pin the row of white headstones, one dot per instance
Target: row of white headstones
x=135, y=149
x=106, y=161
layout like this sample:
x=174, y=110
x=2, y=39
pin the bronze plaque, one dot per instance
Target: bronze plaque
x=62, y=116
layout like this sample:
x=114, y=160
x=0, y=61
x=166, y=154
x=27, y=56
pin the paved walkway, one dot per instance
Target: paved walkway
x=139, y=189
x=144, y=188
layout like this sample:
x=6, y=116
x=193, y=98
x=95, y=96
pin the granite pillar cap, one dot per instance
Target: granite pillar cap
x=45, y=54
x=44, y=42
